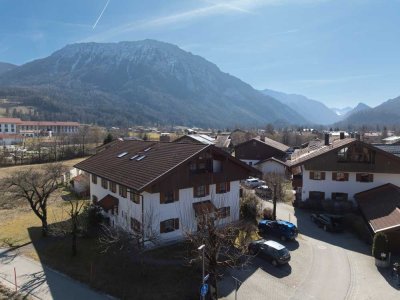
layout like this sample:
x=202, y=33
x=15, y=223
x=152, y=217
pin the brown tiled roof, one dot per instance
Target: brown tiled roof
x=159, y=160
x=108, y=202
x=302, y=155
x=269, y=142
x=273, y=159
x=381, y=207
x=10, y=120
x=48, y=123
x=274, y=144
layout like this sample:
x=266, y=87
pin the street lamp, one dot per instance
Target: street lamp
x=202, y=249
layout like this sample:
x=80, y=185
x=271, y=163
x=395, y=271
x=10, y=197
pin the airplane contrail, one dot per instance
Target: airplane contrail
x=101, y=14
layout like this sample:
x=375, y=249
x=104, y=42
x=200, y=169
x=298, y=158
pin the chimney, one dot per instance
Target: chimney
x=342, y=135
x=262, y=138
x=326, y=139
x=358, y=136
x=165, y=137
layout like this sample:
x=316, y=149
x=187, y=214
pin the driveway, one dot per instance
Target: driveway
x=40, y=281
x=324, y=266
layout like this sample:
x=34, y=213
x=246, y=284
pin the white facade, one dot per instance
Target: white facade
x=8, y=128
x=351, y=187
x=154, y=212
x=271, y=166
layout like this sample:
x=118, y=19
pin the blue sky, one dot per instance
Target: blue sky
x=340, y=52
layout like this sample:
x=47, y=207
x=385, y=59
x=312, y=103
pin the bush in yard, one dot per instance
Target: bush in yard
x=92, y=218
x=380, y=245
x=249, y=208
x=356, y=224
x=267, y=213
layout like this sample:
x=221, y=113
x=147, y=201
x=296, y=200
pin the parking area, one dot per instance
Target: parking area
x=323, y=265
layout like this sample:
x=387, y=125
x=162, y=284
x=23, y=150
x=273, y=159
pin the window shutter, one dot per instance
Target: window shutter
x=334, y=176
x=218, y=188
x=176, y=195
x=162, y=197
x=162, y=227
x=228, y=186
x=207, y=189
x=358, y=177
x=346, y=176
x=176, y=223
x=322, y=175
x=311, y=175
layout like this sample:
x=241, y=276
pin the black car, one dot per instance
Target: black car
x=328, y=222
x=270, y=250
x=279, y=228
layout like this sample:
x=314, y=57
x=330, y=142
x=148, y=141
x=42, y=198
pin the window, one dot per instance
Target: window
x=94, y=179
x=201, y=191
x=169, y=225
x=104, y=183
x=250, y=163
x=223, y=187
x=317, y=175
x=192, y=166
x=135, y=198
x=364, y=177
x=135, y=225
x=339, y=196
x=94, y=199
x=113, y=187
x=122, y=191
x=316, y=195
x=169, y=197
x=340, y=176
x=114, y=210
x=356, y=153
x=224, y=212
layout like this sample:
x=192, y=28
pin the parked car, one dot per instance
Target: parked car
x=328, y=222
x=253, y=182
x=282, y=229
x=270, y=250
x=263, y=191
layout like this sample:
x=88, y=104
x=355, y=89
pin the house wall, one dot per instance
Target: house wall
x=350, y=187
x=272, y=167
x=154, y=212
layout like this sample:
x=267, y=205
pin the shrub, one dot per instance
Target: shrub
x=249, y=208
x=380, y=245
x=92, y=218
x=356, y=224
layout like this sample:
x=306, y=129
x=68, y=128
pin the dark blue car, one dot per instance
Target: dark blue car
x=282, y=229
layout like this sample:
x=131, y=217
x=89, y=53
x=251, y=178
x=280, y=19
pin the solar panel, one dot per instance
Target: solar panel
x=122, y=154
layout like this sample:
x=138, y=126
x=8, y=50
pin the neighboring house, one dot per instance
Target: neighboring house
x=392, y=148
x=391, y=140
x=80, y=185
x=196, y=139
x=273, y=166
x=341, y=169
x=224, y=142
x=165, y=186
x=255, y=150
x=380, y=207
x=7, y=139
x=36, y=128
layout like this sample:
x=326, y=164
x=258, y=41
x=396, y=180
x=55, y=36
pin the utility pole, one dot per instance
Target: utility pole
x=274, y=202
x=202, y=249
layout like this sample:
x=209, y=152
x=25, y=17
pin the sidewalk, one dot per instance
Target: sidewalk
x=40, y=281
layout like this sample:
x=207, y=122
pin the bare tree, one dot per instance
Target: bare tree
x=75, y=210
x=225, y=246
x=35, y=185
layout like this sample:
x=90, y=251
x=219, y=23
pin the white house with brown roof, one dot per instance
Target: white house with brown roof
x=164, y=187
x=340, y=169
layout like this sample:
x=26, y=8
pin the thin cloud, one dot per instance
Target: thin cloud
x=101, y=14
x=215, y=8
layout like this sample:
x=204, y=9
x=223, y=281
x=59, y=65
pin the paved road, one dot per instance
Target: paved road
x=324, y=266
x=41, y=282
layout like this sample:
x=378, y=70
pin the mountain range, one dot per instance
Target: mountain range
x=143, y=82
x=151, y=82
x=4, y=67
x=313, y=111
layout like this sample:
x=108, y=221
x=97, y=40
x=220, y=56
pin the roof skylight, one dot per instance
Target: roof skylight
x=147, y=149
x=135, y=156
x=140, y=157
x=122, y=154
